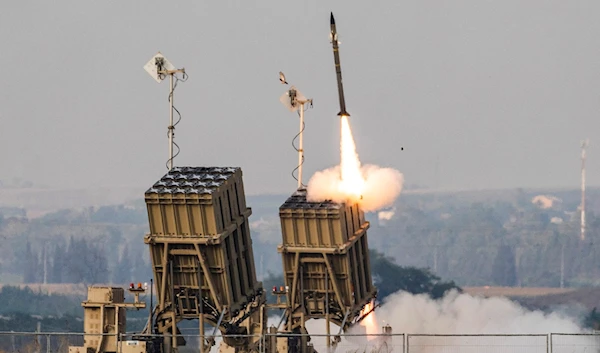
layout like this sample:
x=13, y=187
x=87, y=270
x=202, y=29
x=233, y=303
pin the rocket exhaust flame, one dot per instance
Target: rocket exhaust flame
x=369, y=322
x=352, y=182
x=371, y=186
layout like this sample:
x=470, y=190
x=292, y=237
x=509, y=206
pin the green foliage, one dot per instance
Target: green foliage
x=26, y=301
x=504, y=272
x=123, y=275
x=21, y=322
x=390, y=278
x=31, y=266
x=592, y=320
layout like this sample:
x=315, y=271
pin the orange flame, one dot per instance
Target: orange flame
x=352, y=180
x=369, y=321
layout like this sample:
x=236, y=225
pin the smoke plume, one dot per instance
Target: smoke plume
x=382, y=186
x=459, y=314
x=371, y=186
x=386, y=215
x=465, y=314
x=454, y=314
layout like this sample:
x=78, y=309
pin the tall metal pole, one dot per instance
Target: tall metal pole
x=583, y=146
x=294, y=100
x=300, y=148
x=45, y=265
x=562, y=266
x=159, y=68
x=171, y=127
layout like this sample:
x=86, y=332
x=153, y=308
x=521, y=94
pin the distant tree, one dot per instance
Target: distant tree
x=140, y=264
x=592, y=320
x=15, y=299
x=522, y=200
x=76, y=260
x=504, y=272
x=96, y=265
x=31, y=266
x=113, y=241
x=122, y=272
x=391, y=278
x=86, y=262
x=43, y=269
x=57, y=272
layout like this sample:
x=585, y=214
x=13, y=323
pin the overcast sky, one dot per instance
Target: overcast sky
x=494, y=93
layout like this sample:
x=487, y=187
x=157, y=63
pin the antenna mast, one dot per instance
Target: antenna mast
x=294, y=100
x=159, y=68
x=584, y=144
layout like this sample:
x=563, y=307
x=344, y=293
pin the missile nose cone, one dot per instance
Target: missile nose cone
x=332, y=20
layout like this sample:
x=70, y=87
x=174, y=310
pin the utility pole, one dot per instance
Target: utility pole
x=584, y=144
x=562, y=266
x=45, y=256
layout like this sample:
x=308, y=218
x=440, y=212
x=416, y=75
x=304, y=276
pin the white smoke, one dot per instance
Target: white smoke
x=465, y=314
x=267, y=229
x=454, y=314
x=387, y=215
x=459, y=314
x=382, y=187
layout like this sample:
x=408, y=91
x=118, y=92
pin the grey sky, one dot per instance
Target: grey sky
x=500, y=92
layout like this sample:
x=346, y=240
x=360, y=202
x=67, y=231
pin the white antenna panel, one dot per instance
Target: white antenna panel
x=290, y=102
x=151, y=67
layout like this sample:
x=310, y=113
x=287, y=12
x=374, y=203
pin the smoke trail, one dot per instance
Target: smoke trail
x=371, y=186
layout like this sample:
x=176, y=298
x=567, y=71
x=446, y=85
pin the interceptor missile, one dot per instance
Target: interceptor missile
x=338, y=68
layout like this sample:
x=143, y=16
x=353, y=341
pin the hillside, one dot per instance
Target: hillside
x=475, y=238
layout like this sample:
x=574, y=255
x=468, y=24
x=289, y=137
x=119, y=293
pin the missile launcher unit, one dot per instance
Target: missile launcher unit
x=201, y=251
x=325, y=261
